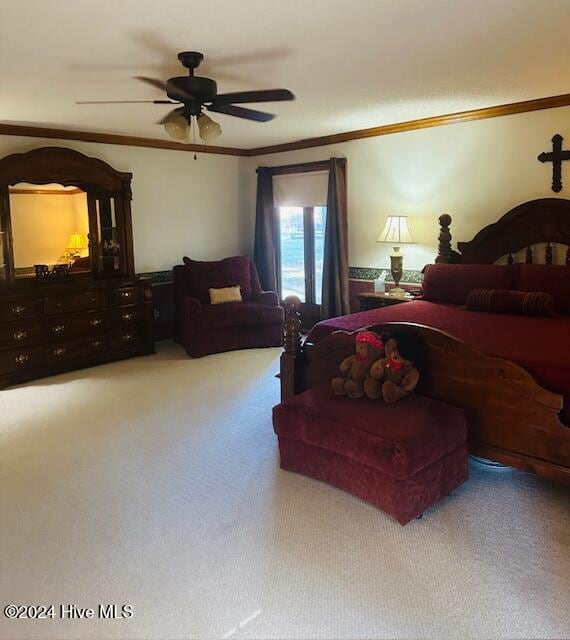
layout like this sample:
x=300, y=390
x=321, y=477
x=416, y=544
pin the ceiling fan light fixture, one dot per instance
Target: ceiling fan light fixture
x=195, y=93
x=208, y=129
x=177, y=127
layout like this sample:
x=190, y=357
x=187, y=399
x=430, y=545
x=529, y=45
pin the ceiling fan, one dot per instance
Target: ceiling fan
x=196, y=93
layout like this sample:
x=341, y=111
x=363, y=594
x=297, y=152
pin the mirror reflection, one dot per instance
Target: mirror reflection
x=50, y=226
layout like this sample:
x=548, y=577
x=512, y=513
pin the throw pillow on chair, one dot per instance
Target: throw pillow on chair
x=225, y=294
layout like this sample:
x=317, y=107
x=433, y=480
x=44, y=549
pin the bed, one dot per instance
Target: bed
x=511, y=373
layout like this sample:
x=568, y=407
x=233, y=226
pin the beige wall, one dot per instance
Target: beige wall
x=474, y=171
x=43, y=223
x=205, y=208
x=180, y=206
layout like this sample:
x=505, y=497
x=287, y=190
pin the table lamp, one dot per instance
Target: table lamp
x=75, y=245
x=396, y=231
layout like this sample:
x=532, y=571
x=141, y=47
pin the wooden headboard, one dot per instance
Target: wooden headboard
x=546, y=220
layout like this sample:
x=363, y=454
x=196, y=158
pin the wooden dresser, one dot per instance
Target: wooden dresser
x=53, y=328
x=59, y=319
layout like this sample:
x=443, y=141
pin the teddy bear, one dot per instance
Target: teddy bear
x=355, y=368
x=393, y=376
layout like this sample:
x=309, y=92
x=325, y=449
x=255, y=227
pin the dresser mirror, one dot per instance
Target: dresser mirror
x=50, y=226
x=63, y=213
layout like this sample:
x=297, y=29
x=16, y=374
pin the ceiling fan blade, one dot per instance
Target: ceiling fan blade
x=241, y=112
x=163, y=86
x=159, y=84
x=165, y=118
x=263, y=95
x=126, y=102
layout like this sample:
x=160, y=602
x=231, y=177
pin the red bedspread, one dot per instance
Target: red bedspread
x=540, y=345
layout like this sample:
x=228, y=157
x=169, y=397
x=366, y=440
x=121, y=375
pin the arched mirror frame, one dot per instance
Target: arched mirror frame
x=107, y=190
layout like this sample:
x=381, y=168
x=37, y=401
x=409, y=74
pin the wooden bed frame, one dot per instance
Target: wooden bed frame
x=511, y=418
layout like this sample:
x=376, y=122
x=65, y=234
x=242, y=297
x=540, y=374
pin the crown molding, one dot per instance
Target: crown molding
x=111, y=138
x=512, y=108
x=423, y=123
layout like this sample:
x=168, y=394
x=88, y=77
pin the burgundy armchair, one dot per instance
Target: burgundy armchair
x=203, y=328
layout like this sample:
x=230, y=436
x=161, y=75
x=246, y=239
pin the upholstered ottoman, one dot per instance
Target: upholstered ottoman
x=401, y=457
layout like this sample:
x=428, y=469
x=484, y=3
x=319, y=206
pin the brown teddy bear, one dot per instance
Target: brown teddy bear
x=393, y=376
x=355, y=368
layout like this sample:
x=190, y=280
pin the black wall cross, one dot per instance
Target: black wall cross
x=556, y=156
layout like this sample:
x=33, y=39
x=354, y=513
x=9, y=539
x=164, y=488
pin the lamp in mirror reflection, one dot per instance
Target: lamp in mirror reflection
x=75, y=245
x=396, y=231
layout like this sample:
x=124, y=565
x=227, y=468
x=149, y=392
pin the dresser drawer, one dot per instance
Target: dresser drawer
x=23, y=359
x=80, y=301
x=125, y=295
x=72, y=326
x=126, y=316
x=127, y=337
x=24, y=333
x=14, y=309
x=75, y=349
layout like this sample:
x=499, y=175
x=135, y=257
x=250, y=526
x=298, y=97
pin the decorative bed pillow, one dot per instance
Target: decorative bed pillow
x=452, y=283
x=550, y=278
x=226, y=294
x=518, y=303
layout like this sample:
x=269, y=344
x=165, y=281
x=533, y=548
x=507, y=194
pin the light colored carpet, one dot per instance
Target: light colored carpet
x=155, y=482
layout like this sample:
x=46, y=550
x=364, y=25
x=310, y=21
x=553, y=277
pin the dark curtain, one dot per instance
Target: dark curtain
x=265, y=251
x=335, y=299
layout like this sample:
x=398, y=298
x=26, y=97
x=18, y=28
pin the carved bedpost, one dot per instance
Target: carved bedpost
x=529, y=257
x=292, y=344
x=568, y=256
x=444, y=239
x=292, y=329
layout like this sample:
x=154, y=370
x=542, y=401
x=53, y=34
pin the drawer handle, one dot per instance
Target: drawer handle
x=96, y=322
x=126, y=294
x=58, y=328
x=58, y=352
x=22, y=358
x=126, y=317
x=18, y=309
x=96, y=344
x=127, y=337
x=20, y=335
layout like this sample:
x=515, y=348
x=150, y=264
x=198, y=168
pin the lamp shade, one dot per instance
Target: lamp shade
x=208, y=129
x=396, y=231
x=176, y=126
x=76, y=242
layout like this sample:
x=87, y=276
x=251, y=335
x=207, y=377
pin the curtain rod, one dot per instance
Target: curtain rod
x=303, y=167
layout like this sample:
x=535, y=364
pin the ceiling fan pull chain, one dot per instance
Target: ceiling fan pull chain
x=194, y=136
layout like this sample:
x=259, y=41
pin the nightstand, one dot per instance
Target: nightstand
x=376, y=300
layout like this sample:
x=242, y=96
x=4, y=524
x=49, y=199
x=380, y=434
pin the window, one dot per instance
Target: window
x=319, y=219
x=299, y=199
x=301, y=251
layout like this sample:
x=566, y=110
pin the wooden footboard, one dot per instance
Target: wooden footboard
x=511, y=418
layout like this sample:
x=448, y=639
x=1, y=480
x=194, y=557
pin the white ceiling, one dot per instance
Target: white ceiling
x=351, y=65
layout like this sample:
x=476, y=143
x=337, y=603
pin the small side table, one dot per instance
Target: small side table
x=376, y=300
